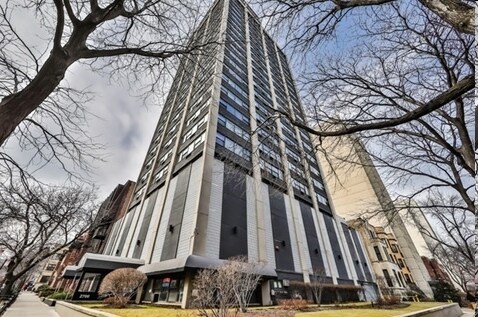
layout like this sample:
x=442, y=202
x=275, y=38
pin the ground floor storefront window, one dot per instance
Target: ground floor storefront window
x=90, y=282
x=88, y=288
x=166, y=289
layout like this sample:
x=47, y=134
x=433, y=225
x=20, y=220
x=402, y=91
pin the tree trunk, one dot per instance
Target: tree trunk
x=458, y=14
x=8, y=283
x=16, y=107
x=316, y=298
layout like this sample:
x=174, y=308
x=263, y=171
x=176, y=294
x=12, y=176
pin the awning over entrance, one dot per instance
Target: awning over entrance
x=195, y=262
x=70, y=271
x=91, y=270
x=107, y=262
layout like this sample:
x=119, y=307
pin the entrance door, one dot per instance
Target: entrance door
x=168, y=290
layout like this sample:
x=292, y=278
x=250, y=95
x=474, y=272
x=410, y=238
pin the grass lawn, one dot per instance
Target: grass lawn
x=151, y=311
x=370, y=312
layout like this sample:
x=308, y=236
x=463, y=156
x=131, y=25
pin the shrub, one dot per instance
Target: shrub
x=111, y=301
x=294, y=304
x=41, y=287
x=45, y=291
x=417, y=291
x=225, y=287
x=444, y=291
x=121, y=284
x=388, y=300
x=59, y=295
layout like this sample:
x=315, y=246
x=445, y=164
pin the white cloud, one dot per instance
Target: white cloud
x=122, y=123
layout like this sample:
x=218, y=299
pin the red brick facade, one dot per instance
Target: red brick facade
x=114, y=207
x=435, y=269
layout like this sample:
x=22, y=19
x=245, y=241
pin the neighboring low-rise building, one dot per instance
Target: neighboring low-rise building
x=436, y=270
x=72, y=256
x=112, y=209
x=46, y=269
x=389, y=267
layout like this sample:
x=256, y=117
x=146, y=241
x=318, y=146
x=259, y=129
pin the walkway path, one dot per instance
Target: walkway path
x=468, y=312
x=29, y=305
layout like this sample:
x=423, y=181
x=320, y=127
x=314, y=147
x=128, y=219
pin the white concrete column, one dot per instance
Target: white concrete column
x=199, y=239
x=252, y=247
x=215, y=211
x=153, y=226
x=266, y=293
x=256, y=169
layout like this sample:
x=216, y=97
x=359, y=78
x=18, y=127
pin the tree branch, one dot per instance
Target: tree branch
x=70, y=13
x=93, y=53
x=93, y=5
x=359, y=3
x=461, y=87
x=60, y=24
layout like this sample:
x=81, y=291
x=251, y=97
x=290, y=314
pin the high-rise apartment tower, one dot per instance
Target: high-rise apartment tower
x=358, y=191
x=225, y=175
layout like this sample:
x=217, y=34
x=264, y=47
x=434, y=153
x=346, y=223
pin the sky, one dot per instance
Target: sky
x=122, y=123
x=125, y=126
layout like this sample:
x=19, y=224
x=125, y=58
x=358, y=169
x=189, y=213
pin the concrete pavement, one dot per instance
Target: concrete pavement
x=468, y=312
x=29, y=305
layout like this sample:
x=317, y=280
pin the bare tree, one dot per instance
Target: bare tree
x=374, y=85
x=438, y=148
x=405, y=90
x=398, y=90
x=317, y=284
x=227, y=287
x=246, y=279
x=309, y=21
x=451, y=239
x=121, y=283
x=133, y=35
x=215, y=296
x=457, y=267
x=414, y=56
x=388, y=296
x=38, y=222
x=133, y=43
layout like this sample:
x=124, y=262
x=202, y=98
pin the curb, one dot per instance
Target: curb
x=49, y=302
x=84, y=310
x=427, y=311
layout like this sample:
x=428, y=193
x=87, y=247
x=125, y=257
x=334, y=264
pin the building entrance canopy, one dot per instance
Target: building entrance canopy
x=91, y=270
x=70, y=271
x=100, y=262
x=195, y=262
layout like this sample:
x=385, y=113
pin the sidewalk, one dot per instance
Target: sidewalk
x=468, y=312
x=29, y=305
